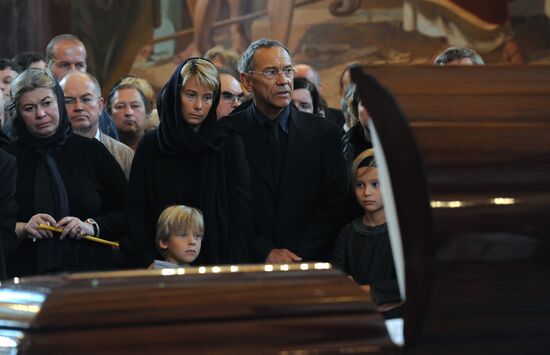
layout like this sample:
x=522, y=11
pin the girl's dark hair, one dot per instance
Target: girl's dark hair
x=303, y=83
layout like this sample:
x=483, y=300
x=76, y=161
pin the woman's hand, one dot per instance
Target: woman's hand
x=74, y=227
x=31, y=229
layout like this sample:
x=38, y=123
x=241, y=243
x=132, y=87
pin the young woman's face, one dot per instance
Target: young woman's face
x=367, y=190
x=39, y=111
x=183, y=247
x=196, y=102
x=302, y=100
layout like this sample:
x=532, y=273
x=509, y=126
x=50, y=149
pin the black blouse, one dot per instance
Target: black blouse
x=96, y=188
x=364, y=253
x=204, y=168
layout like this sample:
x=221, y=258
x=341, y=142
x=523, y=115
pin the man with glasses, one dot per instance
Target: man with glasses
x=232, y=93
x=298, y=174
x=84, y=104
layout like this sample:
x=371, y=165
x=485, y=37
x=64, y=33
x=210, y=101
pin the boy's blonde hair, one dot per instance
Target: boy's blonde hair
x=174, y=219
x=365, y=159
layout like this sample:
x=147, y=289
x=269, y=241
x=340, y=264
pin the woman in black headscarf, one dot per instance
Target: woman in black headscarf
x=64, y=180
x=194, y=160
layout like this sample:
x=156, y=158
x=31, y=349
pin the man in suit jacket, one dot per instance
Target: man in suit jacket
x=298, y=174
x=84, y=105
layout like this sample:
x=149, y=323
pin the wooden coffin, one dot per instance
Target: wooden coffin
x=468, y=155
x=284, y=309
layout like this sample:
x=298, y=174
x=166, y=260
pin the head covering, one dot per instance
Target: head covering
x=205, y=149
x=53, y=142
x=365, y=159
x=50, y=195
x=175, y=136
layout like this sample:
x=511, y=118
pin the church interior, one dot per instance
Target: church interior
x=462, y=154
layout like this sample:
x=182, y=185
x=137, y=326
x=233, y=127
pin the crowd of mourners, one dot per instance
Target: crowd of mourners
x=237, y=160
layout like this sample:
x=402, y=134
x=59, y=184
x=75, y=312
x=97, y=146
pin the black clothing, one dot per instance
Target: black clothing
x=65, y=175
x=95, y=186
x=107, y=125
x=364, y=253
x=301, y=212
x=205, y=169
x=4, y=139
x=8, y=208
x=335, y=116
x=354, y=143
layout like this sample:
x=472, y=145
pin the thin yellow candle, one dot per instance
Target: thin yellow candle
x=87, y=237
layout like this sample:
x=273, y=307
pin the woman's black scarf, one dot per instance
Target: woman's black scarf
x=50, y=195
x=205, y=148
x=175, y=136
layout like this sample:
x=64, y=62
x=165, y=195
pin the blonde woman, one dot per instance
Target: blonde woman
x=193, y=160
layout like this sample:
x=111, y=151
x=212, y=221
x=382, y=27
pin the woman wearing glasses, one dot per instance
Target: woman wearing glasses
x=63, y=180
x=195, y=160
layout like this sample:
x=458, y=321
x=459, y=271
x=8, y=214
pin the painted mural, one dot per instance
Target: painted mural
x=330, y=34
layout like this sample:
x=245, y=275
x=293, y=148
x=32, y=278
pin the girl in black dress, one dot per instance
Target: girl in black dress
x=362, y=249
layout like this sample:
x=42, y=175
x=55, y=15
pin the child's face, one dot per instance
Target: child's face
x=183, y=247
x=367, y=189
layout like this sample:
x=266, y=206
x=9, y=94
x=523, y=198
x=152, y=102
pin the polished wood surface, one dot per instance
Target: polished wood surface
x=476, y=245
x=208, y=311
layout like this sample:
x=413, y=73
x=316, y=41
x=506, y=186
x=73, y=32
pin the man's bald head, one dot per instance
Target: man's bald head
x=64, y=54
x=308, y=72
x=81, y=76
x=83, y=102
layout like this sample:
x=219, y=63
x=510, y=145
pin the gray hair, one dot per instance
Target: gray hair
x=30, y=79
x=246, y=63
x=455, y=53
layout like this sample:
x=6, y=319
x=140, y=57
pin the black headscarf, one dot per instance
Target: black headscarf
x=204, y=147
x=175, y=136
x=50, y=195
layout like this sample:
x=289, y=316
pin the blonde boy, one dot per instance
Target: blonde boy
x=179, y=236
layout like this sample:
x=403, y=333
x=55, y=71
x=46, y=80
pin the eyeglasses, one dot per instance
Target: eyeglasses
x=84, y=100
x=272, y=73
x=230, y=97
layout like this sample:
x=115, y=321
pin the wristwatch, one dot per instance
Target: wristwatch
x=94, y=224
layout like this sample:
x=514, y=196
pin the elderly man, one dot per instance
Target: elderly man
x=84, y=104
x=232, y=93
x=298, y=174
x=65, y=54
